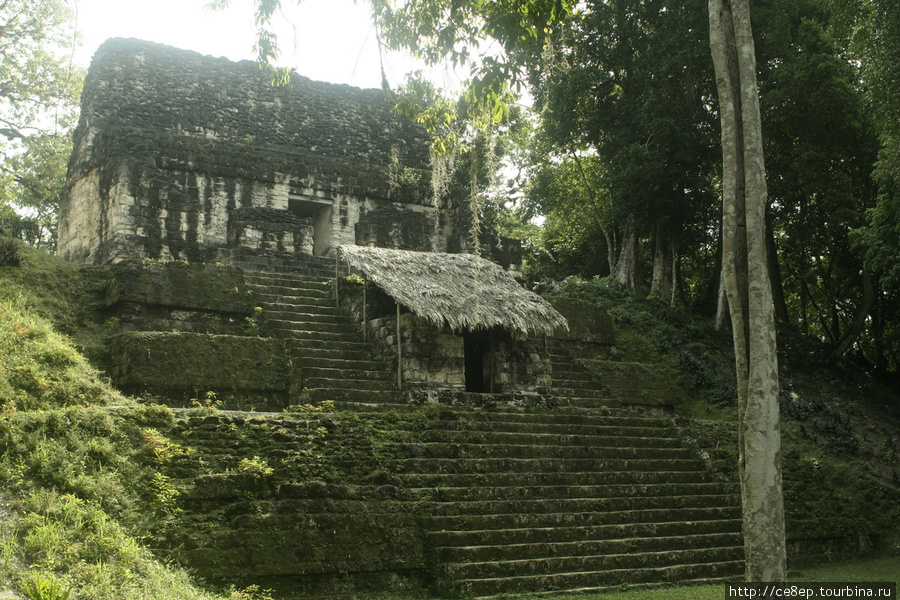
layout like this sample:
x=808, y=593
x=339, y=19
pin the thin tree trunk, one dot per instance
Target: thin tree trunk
x=749, y=291
x=673, y=251
x=721, y=304
x=859, y=323
x=610, y=243
x=781, y=310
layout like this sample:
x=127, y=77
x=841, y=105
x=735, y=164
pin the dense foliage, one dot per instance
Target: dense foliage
x=39, y=89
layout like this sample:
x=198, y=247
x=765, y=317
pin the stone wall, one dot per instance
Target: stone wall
x=179, y=331
x=171, y=144
x=434, y=358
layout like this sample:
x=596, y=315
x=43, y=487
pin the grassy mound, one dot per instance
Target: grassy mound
x=79, y=490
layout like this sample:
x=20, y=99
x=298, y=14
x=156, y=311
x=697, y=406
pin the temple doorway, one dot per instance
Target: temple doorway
x=318, y=211
x=477, y=345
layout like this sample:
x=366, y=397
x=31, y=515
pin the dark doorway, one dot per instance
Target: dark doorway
x=319, y=214
x=477, y=345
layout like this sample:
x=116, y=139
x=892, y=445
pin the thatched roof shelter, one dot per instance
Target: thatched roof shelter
x=463, y=291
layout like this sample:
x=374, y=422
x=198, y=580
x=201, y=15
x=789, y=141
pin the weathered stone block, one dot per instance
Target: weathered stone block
x=174, y=361
x=587, y=322
x=633, y=383
x=180, y=285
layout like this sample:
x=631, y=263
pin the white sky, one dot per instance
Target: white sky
x=326, y=40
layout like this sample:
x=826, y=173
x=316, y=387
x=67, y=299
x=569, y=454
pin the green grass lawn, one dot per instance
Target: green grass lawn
x=885, y=569
x=877, y=569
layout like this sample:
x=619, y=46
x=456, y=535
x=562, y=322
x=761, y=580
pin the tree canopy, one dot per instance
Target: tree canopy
x=39, y=89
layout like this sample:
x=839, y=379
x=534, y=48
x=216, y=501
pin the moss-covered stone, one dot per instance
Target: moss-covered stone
x=175, y=284
x=587, y=322
x=633, y=383
x=176, y=361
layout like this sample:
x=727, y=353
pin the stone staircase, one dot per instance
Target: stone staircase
x=330, y=360
x=618, y=384
x=587, y=497
x=573, y=386
x=580, y=502
x=461, y=503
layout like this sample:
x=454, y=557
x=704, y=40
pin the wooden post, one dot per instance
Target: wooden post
x=337, y=278
x=492, y=362
x=365, y=309
x=399, y=352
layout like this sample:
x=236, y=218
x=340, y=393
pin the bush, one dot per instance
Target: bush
x=10, y=256
x=39, y=587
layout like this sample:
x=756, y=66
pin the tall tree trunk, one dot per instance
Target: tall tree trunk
x=661, y=280
x=626, y=265
x=749, y=289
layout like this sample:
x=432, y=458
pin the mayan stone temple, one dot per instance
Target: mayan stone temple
x=193, y=157
x=277, y=257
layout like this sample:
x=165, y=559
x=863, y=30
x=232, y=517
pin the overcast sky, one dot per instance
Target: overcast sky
x=326, y=40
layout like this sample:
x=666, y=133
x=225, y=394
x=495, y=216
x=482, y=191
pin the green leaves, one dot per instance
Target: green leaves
x=38, y=107
x=38, y=587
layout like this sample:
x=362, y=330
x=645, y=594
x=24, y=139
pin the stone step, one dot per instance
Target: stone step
x=294, y=299
x=296, y=281
x=290, y=274
x=299, y=305
x=579, y=402
x=579, y=505
x=530, y=492
x=568, y=366
x=352, y=372
x=582, y=581
x=580, y=385
x=504, y=479
x=582, y=519
x=611, y=438
x=601, y=418
x=547, y=465
x=317, y=293
x=490, y=450
x=322, y=366
x=314, y=344
x=381, y=383
x=295, y=323
x=310, y=317
x=363, y=353
x=363, y=400
x=542, y=565
x=575, y=389
x=589, y=431
x=270, y=261
x=579, y=533
x=300, y=331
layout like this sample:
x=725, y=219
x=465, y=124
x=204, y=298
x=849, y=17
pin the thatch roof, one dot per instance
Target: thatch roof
x=461, y=290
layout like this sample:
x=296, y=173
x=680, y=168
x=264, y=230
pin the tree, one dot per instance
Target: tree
x=626, y=82
x=820, y=148
x=38, y=105
x=748, y=288
x=874, y=28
